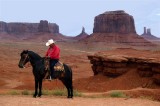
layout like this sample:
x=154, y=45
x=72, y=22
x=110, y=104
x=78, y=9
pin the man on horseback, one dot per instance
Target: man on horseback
x=53, y=53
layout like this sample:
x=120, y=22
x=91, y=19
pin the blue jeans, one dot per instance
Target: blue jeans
x=52, y=64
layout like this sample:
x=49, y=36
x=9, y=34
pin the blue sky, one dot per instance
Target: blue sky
x=71, y=15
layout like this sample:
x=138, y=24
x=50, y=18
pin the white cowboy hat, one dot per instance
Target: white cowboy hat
x=51, y=41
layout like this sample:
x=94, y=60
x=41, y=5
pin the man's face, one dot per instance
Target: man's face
x=51, y=45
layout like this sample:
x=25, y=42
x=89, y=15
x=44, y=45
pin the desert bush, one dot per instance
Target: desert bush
x=25, y=92
x=77, y=93
x=59, y=92
x=147, y=97
x=118, y=94
x=13, y=92
x=46, y=92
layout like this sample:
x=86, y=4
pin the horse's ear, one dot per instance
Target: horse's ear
x=25, y=51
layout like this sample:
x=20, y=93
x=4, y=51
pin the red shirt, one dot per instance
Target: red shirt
x=53, y=52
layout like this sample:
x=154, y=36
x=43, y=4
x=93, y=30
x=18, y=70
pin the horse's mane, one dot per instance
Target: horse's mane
x=31, y=53
x=34, y=55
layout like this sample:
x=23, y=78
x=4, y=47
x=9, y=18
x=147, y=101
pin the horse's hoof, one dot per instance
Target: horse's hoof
x=70, y=97
x=39, y=96
x=34, y=96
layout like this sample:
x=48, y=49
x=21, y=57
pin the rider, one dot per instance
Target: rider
x=53, y=53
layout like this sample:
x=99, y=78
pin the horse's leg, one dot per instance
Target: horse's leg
x=70, y=82
x=65, y=82
x=71, y=88
x=40, y=88
x=36, y=87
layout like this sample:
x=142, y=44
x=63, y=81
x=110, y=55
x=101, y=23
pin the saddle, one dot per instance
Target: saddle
x=59, y=71
x=59, y=67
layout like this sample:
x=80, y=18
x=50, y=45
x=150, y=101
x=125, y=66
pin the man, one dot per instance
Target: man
x=53, y=53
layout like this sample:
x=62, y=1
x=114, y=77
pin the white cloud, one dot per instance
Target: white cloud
x=158, y=14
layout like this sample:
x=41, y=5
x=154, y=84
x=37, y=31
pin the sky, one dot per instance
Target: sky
x=72, y=15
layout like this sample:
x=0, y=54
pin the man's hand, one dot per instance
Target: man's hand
x=47, y=57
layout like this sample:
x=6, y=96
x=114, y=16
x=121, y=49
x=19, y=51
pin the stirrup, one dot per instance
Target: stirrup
x=50, y=79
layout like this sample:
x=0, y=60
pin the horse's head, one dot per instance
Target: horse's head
x=24, y=59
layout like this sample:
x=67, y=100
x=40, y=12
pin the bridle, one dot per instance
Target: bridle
x=27, y=56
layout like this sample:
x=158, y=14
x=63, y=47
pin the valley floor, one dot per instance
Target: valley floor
x=77, y=101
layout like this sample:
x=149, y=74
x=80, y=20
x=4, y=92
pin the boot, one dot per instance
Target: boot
x=49, y=79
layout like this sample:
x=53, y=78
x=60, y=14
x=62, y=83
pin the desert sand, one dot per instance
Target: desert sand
x=75, y=55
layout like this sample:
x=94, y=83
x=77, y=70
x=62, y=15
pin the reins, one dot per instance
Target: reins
x=27, y=56
x=25, y=59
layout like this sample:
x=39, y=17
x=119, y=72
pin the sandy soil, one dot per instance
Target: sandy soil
x=75, y=55
x=78, y=101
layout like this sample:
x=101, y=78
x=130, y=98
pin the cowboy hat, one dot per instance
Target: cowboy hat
x=51, y=41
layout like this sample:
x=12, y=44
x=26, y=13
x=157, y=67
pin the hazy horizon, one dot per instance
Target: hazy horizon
x=72, y=15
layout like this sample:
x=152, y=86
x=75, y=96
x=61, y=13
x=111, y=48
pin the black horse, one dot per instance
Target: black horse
x=39, y=72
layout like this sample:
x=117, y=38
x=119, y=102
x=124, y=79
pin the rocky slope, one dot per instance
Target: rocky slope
x=119, y=63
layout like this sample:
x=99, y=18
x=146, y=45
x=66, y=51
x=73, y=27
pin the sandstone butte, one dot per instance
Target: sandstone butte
x=116, y=27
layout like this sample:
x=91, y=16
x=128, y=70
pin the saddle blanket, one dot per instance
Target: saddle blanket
x=59, y=67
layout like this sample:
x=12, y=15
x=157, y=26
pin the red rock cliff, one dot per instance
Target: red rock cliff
x=116, y=27
x=120, y=61
x=114, y=21
x=17, y=27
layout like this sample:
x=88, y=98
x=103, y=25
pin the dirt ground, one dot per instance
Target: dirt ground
x=78, y=101
x=75, y=55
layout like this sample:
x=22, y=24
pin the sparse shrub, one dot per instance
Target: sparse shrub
x=77, y=93
x=13, y=92
x=117, y=94
x=59, y=92
x=55, y=92
x=147, y=97
x=46, y=92
x=25, y=92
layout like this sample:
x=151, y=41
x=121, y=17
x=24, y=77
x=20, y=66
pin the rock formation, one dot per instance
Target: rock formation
x=21, y=28
x=82, y=35
x=147, y=34
x=43, y=26
x=116, y=27
x=3, y=26
x=53, y=28
x=114, y=22
x=16, y=27
x=119, y=62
